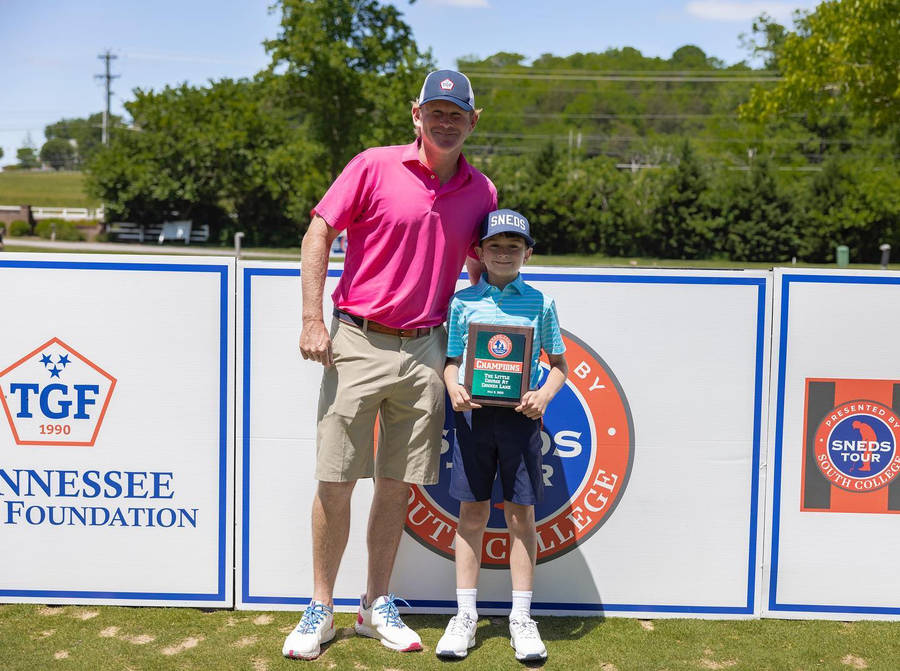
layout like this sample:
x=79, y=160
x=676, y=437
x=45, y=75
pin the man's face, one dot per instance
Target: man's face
x=444, y=125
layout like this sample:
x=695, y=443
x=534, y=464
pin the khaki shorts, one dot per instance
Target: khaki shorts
x=400, y=381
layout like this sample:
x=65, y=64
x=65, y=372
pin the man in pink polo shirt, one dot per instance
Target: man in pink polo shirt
x=411, y=214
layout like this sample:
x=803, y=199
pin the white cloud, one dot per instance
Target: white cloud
x=735, y=10
x=477, y=4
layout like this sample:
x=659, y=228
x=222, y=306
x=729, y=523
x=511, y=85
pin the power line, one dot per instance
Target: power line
x=107, y=77
x=623, y=78
x=707, y=140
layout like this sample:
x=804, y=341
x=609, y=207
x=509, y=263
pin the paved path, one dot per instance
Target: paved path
x=36, y=244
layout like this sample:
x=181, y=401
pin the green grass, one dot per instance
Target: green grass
x=44, y=189
x=95, y=638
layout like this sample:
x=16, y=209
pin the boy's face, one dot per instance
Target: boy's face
x=503, y=255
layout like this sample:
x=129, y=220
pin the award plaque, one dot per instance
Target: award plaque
x=498, y=363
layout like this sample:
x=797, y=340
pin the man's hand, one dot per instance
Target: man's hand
x=460, y=398
x=534, y=404
x=315, y=343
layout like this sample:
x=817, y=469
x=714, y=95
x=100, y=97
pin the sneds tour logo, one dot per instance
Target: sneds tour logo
x=588, y=449
x=851, y=460
x=55, y=396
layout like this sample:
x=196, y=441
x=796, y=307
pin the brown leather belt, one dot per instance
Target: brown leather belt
x=369, y=325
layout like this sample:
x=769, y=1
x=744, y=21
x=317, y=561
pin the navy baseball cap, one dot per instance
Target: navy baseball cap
x=448, y=85
x=506, y=221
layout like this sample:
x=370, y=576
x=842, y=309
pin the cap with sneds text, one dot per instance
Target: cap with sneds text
x=506, y=221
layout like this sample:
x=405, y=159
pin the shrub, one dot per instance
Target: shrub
x=19, y=228
x=65, y=230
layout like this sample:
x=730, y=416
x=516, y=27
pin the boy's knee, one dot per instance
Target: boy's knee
x=474, y=514
x=518, y=516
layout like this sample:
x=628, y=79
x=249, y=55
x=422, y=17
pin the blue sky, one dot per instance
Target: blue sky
x=49, y=48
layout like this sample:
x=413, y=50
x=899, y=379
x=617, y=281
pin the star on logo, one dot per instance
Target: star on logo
x=46, y=360
x=54, y=372
x=64, y=360
x=447, y=85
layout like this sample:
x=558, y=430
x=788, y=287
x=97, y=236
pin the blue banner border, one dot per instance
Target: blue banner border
x=774, y=605
x=745, y=609
x=223, y=569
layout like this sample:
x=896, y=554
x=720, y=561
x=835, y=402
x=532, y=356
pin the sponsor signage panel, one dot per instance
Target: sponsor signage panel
x=116, y=430
x=651, y=454
x=835, y=450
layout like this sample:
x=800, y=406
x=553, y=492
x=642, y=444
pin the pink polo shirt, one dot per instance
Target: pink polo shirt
x=407, y=234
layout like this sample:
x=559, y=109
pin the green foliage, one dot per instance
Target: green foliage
x=59, y=154
x=844, y=56
x=765, y=41
x=757, y=218
x=225, y=155
x=591, y=146
x=682, y=222
x=19, y=228
x=851, y=202
x=27, y=157
x=86, y=134
x=65, y=230
x=349, y=69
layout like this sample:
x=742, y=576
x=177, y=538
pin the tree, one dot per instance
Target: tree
x=350, y=69
x=86, y=133
x=758, y=220
x=224, y=155
x=843, y=56
x=58, y=154
x=683, y=223
x=850, y=202
x=27, y=155
x=765, y=41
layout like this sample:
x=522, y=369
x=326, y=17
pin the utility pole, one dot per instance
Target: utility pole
x=107, y=77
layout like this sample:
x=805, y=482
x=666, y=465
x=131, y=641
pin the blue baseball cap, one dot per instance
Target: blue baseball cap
x=506, y=221
x=448, y=85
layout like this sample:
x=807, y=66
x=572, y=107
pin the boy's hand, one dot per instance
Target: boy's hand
x=460, y=398
x=533, y=404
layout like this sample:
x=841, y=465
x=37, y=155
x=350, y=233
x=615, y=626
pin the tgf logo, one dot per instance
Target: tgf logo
x=55, y=396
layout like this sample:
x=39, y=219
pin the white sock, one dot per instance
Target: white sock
x=466, y=601
x=521, y=604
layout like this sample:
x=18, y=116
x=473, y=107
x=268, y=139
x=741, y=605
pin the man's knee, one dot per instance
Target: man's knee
x=391, y=489
x=335, y=494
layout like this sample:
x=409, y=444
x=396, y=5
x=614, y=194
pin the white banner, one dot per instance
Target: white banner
x=652, y=454
x=834, y=491
x=117, y=429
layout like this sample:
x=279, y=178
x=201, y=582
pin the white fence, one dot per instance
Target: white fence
x=68, y=213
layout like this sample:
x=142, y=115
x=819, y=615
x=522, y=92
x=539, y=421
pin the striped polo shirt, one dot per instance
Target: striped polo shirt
x=517, y=304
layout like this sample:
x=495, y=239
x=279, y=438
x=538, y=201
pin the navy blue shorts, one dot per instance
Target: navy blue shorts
x=494, y=439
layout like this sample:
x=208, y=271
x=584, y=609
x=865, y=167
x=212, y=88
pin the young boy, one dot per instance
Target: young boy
x=505, y=438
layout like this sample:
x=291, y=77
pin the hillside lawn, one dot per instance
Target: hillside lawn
x=44, y=189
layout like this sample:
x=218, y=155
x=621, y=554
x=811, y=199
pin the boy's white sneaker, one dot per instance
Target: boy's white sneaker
x=315, y=628
x=381, y=620
x=458, y=637
x=525, y=639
